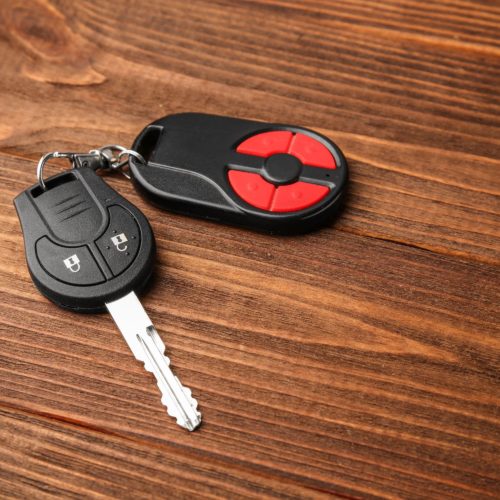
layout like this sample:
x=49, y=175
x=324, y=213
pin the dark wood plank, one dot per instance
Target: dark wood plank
x=418, y=116
x=50, y=458
x=357, y=361
x=370, y=370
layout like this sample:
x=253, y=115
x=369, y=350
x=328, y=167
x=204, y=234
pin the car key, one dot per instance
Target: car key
x=88, y=249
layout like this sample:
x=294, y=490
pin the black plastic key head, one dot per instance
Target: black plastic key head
x=85, y=244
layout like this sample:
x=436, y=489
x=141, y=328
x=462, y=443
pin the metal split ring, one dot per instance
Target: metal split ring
x=44, y=159
x=112, y=161
x=116, y=162
x=135, y=154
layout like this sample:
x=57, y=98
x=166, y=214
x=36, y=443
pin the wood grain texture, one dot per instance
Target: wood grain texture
x=359, y=361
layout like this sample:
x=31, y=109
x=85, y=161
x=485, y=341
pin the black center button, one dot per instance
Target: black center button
x=120, y=242
x=282, y=168
x=72, y=265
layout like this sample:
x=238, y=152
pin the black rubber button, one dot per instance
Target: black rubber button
x=72, y=265
x=282, y=168
x=120, y=242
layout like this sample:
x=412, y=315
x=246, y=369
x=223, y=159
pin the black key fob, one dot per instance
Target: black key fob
x=85, y=244
x=265, y=176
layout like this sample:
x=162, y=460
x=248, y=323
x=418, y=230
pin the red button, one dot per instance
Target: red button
x=311, y=152
x=252, y=188
x=266, y=144
x=297, y=196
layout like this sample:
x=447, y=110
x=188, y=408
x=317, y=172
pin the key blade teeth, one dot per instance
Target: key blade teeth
x=187, y=391
x=148, y=367
x=175, y=397
x=189, y=396
x=190, y=417
x=194, y=422
x=190, y=423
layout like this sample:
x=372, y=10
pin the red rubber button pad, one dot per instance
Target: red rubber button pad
x=260, y=193
x=252, y=188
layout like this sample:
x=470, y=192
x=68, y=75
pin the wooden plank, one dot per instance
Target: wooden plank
x=341, y=363
x=50, y=458
x=417, y=115
x=357, y=361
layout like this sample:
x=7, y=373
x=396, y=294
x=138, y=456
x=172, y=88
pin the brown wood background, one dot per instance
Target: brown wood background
x=357, y=361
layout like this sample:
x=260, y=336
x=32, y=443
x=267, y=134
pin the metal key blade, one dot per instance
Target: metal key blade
x=178, y=400
x=147, y=346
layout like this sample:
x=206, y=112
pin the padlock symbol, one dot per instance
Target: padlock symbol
x=118, y=242
x=72, y=263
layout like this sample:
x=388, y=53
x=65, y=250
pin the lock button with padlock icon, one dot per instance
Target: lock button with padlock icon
x=72, y=265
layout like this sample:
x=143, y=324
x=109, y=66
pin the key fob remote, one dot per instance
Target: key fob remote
x=265, y=176
x=85, y=244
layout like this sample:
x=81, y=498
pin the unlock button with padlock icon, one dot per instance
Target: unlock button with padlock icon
x=120, y=242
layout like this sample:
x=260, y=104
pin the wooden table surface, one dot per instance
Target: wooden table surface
x=360, y=360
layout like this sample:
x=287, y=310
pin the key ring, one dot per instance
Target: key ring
x=44, y=159
x=106, y=155
x=116, y=162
